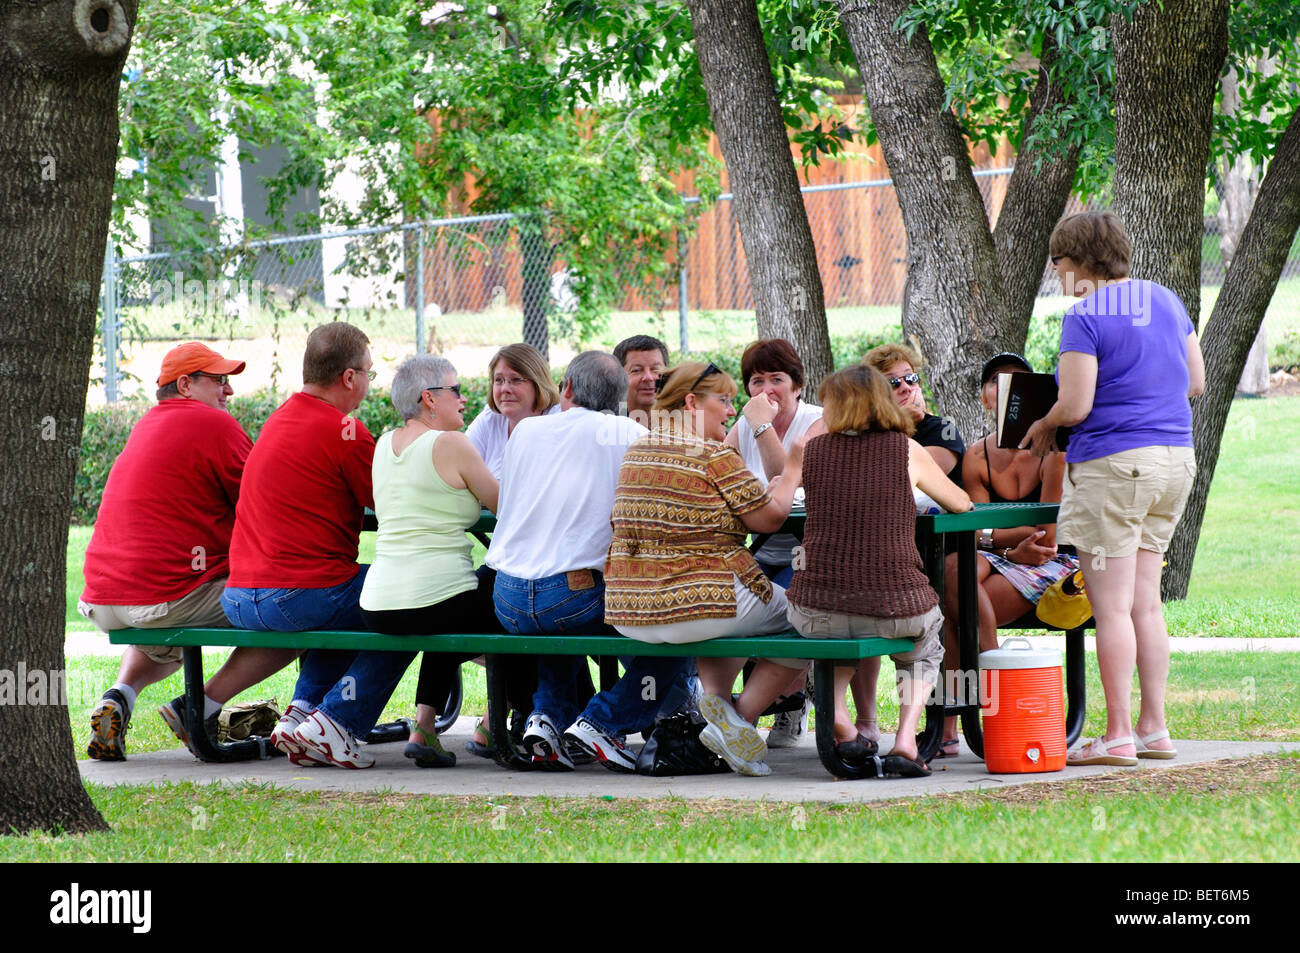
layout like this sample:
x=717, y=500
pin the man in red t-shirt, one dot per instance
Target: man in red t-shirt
x=158, y=556
x=293, y=555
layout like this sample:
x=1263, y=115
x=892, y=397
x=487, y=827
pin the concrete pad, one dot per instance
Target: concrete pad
x=797, y=775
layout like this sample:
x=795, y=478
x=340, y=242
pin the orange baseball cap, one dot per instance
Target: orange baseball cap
x=193, y=356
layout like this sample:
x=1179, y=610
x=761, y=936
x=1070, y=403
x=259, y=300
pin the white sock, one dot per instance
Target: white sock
x=304, y=707
x=210, y=708
x=129, y=694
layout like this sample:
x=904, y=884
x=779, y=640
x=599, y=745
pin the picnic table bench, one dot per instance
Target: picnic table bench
x=930, y=533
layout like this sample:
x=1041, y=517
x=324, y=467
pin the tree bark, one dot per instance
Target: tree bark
x=968, y=295
x=783, y=273
x=60, y=69
x=1238, y=313
x=1032, y=206
x=1167, y=66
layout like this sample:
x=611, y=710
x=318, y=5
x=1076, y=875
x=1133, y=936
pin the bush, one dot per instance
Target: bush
x=1043, y=343
x=1284, y=353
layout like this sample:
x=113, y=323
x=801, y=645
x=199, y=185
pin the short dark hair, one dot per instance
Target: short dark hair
x=167, y=391
x=639, y=342
x=331, y=349
x=771, y=356
x=1096, y=241
x=598, y=381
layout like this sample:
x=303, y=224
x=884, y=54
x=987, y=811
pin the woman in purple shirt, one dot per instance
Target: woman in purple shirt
x=1129, y=362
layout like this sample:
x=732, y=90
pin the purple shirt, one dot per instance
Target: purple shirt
x=1138, y=332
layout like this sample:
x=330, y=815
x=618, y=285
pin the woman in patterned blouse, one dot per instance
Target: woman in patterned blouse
x=678, y=570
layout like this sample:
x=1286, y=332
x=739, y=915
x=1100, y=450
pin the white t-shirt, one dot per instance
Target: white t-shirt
x=489, y=432
x=779, y=550
x=557, y=492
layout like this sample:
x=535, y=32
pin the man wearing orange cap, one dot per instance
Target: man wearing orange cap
x=159, y=555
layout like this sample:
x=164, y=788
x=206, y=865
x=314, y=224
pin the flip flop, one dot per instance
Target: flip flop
x=858, y=751
x=1088, y=756
x=943, y=752
x=901, y=766
x=1159, y=754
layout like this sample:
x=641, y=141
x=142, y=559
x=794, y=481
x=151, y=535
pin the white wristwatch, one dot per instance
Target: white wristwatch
x=762, y=429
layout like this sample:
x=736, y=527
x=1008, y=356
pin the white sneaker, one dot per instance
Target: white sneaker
x=609, y=751
x=325, y=738
x=282, y=737
x=543, y=740
x=732, y=738
x=789, y=727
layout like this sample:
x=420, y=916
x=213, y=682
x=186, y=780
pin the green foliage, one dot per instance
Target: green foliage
x=1043, y=342
x=1259, y=31
x=1284, y=353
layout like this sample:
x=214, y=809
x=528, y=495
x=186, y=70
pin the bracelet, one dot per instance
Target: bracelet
x=762, y=429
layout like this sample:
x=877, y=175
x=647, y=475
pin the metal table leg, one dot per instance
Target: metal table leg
x=208, y=748
x=824, y=701
x=507, y=755
x=1075, y=686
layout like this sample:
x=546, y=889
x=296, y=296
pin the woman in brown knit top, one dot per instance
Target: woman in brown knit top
x=859, y=574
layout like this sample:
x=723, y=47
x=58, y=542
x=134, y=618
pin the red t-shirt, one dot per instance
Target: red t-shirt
x=168, y=508
x=305, y=486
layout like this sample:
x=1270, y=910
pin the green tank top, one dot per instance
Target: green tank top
x=422, y=554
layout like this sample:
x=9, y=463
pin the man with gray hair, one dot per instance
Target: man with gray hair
x=553, y=529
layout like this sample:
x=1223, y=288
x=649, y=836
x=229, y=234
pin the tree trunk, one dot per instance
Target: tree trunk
x=1238, y=313
x=535, y=278
x=60, y=69
x=967, y=296
x=788, y=297
x=1167, y=66
x=1032, y=206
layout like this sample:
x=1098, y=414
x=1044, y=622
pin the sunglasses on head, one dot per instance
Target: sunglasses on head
x=912, y=378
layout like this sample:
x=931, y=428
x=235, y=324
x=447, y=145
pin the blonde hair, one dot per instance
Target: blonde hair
x=859, y=398
x=528, y=361
x=681, y=380
x=884, y=356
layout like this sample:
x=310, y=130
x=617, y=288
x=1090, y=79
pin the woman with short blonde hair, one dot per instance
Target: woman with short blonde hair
x=519, y=386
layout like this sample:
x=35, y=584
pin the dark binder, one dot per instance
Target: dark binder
x=1022, y=399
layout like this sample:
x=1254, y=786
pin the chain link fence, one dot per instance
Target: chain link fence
x=488, y=280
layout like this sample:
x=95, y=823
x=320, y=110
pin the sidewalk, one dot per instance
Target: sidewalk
x=797, y=775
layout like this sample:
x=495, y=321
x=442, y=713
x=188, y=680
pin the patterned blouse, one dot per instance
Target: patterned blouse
x=678, y=539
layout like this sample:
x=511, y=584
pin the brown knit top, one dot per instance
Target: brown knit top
x=859, y=547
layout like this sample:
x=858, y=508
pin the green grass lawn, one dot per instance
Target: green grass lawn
x=1243, y=811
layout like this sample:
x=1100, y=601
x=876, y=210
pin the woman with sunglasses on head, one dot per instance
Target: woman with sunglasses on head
x=521, y=387
x=1130, y=361
x=678, y=570
x=1017, y=565
x=772, y=420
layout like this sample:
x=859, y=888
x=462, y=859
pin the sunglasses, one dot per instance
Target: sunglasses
x=1057, y=259
x=912, y=378
x=454, y=388
x=221, y=379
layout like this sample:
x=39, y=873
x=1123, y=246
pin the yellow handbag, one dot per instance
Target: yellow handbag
x=1065, y=605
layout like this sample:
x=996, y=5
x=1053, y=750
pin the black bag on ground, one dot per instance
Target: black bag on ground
x=674, y=748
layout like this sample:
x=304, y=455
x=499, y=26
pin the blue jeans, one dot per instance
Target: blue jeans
x=297, y=610
x=649, y=684
x=781, y=575
x=354, y=701
x=549, y=605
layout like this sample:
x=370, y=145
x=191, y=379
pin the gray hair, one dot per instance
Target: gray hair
x=415, y=376
x=599, y=382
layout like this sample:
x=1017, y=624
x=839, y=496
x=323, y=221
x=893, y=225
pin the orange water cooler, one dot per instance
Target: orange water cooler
x=1022, y=708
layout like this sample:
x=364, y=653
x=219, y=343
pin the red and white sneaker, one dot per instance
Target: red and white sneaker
x=282, y=737
x=541, y=738
x=324, y=738
x=609, y=751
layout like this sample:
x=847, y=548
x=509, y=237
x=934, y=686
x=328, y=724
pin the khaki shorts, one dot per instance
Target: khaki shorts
x=922, y=663
x=1118, y=504
x=201, y=607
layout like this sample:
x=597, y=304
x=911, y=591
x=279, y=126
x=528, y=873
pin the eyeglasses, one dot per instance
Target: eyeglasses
x=512, y=381
x=454, y=388
x=370, y=375
x=912, y=378
x=1056, y=259
x=221, y=379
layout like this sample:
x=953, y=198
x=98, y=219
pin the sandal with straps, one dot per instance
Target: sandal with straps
x=431, y=754
x=1159, y=754
x=1088, y=755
